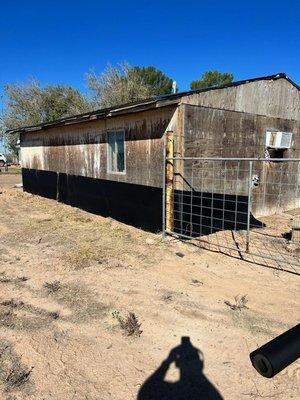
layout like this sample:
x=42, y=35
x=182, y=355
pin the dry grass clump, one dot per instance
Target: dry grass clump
x=240, y=302
x=12, y=303
x=13, y=373
x=129, y=324
x=7, y=315
x=6, y=318
x=6, y=279
x=167, y=297
x=84, y=255
x=87, y=254
x=52, y=287
x=54, y=314
x=196, y=282
x=17, y=375
x=80, y=258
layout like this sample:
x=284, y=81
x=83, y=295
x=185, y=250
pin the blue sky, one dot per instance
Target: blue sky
x=59, y=41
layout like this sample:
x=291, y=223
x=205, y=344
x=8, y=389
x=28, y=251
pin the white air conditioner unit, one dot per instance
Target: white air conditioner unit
x=278, y=140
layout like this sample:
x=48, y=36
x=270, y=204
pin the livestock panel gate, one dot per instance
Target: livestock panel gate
x=243, y=207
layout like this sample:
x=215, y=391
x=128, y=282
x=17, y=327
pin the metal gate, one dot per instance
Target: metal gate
x=244, y=207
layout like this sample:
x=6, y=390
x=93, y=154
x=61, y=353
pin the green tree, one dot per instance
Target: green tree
x=212, y=78
x=158, y=82
x=30, y=104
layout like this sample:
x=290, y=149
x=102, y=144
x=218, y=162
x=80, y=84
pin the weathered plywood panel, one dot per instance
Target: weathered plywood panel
x=221, y=133
x=213, y=132
x=274, y=98
x=81, y=149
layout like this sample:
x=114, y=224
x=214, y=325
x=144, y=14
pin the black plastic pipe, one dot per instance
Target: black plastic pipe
x=277, y=354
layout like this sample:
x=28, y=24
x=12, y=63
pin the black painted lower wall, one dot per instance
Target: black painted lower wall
x=136, y=205
x=195, y=213
x=203, y=213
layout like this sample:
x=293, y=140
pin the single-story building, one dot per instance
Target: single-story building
x=112, y=161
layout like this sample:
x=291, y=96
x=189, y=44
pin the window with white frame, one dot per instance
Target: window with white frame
x=116, y=151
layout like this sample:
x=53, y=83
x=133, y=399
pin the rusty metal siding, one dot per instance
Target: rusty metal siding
x=81, y=149
x=274, y=98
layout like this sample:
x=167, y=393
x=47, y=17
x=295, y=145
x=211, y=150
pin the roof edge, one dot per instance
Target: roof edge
x=136, y=106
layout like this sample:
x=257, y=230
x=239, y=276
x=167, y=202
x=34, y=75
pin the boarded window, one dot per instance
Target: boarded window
x=116, y=151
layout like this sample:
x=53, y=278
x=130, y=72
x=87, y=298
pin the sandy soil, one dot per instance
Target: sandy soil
x=8, y=180
x=68, y=280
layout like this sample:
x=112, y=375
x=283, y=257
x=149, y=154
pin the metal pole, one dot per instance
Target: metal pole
x=164, y=187
x=297, y=186
x=236, y=195
x=224, y=196
x=191, y=202
x=169, y=181
x=249, y=205
x=212, y=198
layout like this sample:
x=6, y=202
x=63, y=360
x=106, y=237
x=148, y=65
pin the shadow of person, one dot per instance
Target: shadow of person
x=192, y=384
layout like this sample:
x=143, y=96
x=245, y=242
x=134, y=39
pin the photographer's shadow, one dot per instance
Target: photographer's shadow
x=192, y=384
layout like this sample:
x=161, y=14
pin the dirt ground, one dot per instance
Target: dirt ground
x=68, y=281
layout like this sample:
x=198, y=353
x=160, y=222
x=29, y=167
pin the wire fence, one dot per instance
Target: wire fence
x=241, y=206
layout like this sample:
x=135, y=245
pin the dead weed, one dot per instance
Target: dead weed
x=129, y=324
x=6, y=318
x=167, y=297
x=17, y=375
x=240, y=302
x=6, y=279
x=52, y=287
x=83, y=256
x=13, y=373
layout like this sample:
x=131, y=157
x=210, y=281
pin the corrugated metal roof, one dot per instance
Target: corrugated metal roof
x=158, y=101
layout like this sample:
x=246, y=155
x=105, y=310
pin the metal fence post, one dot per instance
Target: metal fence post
x=169, y=212
x=249, y=205
x=297, y=186
x=164, y=186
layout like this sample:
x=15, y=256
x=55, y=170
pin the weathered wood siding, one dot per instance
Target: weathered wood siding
x=211, y=132
x=219, y=133
x=274, y=98
x=81, y=149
